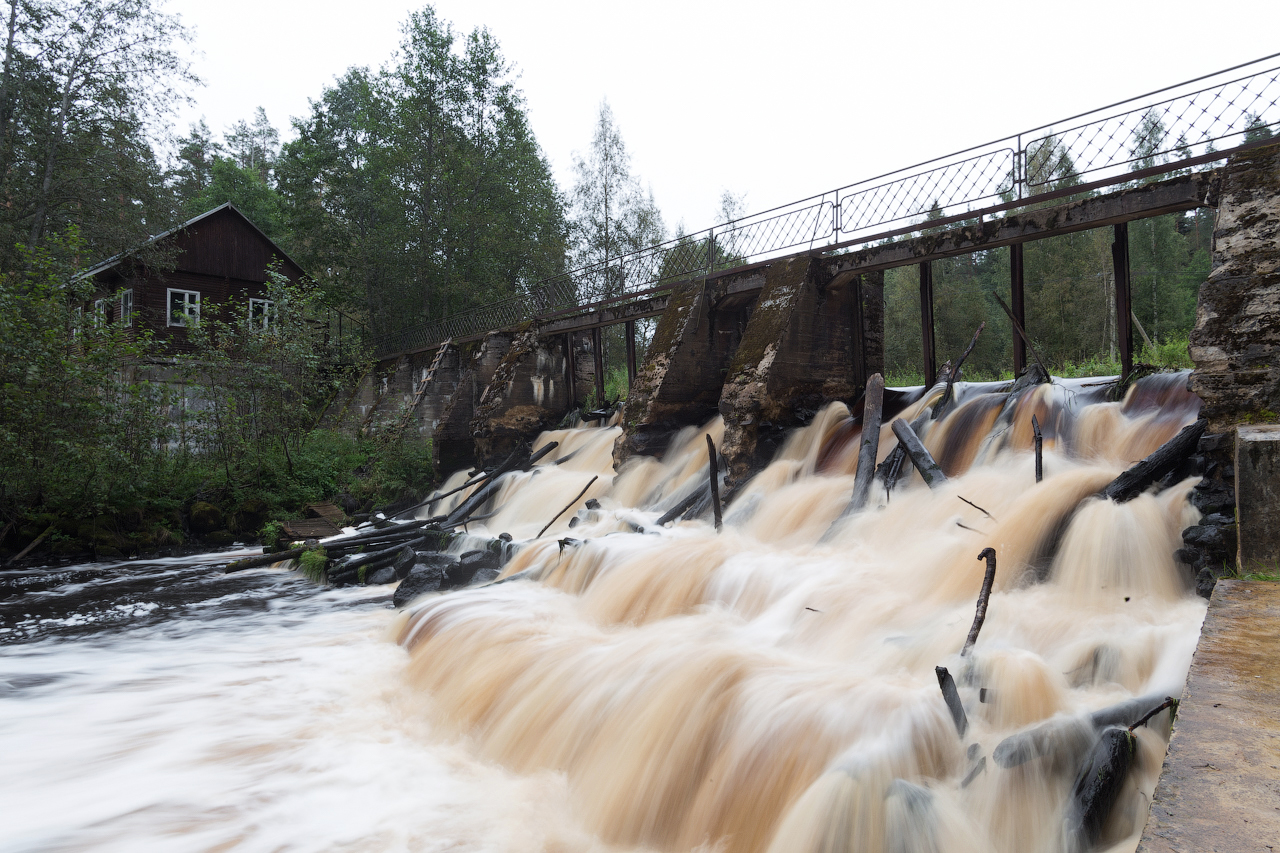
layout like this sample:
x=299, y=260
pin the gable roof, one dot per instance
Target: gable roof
x=116, y=260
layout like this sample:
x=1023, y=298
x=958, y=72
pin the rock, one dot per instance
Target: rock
x=205, y=518
x=485, y=576
x=471, y=563
x=219, y=538
x=1204, y=536
x=249, y=516
x=404, y=562
x=382, y=576
x=422, y=578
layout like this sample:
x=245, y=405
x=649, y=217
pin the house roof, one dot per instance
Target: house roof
x=115, y=260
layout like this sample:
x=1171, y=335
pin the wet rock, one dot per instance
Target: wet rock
x=382, y=576
x=485, y=576
x=205, y=518
x=219, y=538
x=470, y=564
x=424, y=577
x=403, y=563
x=250, y=516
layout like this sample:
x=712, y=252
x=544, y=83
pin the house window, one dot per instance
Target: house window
x=262, y=313
x=77, y=318
x=184, y=307
x=126, y=307
x=101, y=311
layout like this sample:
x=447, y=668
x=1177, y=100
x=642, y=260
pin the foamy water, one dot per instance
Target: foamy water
x=767, y=688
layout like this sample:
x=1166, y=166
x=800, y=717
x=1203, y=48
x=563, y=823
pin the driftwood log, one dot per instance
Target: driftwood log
x=713, y=477
x=1061, y=735
x=566, y=509
x=872, y=409
x=918, y=455
x=1039, y=443
x=1022, y=333
x=1098, y=783
x=684, y=506
x=951, y=696
x=980, y=616
x=265, y=560
x=1168, y=457
x=890, y=469
x=941, y=408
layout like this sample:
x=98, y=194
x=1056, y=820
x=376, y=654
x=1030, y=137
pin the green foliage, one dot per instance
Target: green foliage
x=313, y=564
x=419, y=188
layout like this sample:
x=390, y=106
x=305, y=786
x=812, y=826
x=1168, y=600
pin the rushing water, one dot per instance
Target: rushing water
x=766, y=688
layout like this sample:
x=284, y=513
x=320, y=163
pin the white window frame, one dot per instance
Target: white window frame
x=188, y=316
x=266, y=318
x=101, y=311
x=126, y=307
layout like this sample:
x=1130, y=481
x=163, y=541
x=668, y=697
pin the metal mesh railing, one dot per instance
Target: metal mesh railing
x=1173, y=129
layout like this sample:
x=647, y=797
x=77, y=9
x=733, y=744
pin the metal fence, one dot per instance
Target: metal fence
x=1182, y=127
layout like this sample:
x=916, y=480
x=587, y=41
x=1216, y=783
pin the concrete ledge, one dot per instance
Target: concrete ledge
x=1258, y=498
x=1220, y=786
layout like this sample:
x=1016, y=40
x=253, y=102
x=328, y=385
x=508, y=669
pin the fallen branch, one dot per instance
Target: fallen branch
x=27, y=550
x=918, y=455
x=891, y=468
x=988, y=554
x=264, y=560
x=1022, y=333
x=979, y=509
x=566, y=509
x=1169, y=456
x=951, y=696
x=973, y=774
x=955, y=371
x=872, y=409
x=1039, y=442
x=713, y=473
x=1168, y=702
x=1098, y=784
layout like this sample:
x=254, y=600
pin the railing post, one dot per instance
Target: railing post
x=926, y=324
x=1124, y=301
x=1018, y=306
x=631, y=354
x=597, y=346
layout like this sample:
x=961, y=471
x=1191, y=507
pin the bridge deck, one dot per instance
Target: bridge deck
x=1220, y=787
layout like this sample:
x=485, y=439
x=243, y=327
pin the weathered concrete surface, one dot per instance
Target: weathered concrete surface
x=1258, y=498
x=1236, y=340
x=1220, y=786
x=679, y=382
x=528, y=393
x=799, y=352
x=453, y=443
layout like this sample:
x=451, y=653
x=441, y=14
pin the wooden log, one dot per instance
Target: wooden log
x=891, y=468
x=682, y=507
x=264, y=560
x=1167, y=457
x=1022, y=333
x=1098, y=783
x=713, y=476
x=980, y=616
x=480, y=478
x=567, y=506
x=1169, y=702
x=1059, y=735
x=872, y=409
x=918, y=455
x=940, y=409
x=1039, y=442
x=951, y=696
x=34, y=542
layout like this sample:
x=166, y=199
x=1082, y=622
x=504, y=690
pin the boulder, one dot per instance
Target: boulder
x=424, y=577
x=382, y=576
x=405, y=561
x=219, y=538
x=469, y=564
x=250, y=516
x=205, y=518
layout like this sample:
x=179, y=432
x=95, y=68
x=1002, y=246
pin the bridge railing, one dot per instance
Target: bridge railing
x=1182, y=127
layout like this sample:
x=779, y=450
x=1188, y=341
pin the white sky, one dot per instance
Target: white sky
x=776, y=101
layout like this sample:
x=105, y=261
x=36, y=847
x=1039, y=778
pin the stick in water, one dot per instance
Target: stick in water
x=918, y=455
x=1168, y=702
x=955, y=371
x=978, y=508
x=951, y=696
x=713, y=471
x=872, y=407
x=1022, y=333
x=988, y=554
x=1039, y=438
x=566, y=509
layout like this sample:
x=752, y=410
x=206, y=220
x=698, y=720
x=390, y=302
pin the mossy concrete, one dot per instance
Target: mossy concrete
x=528, y=393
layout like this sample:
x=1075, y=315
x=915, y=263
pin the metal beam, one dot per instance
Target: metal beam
x=926, y=324
x=1018, y=306
x=1124, y=299
x=571, y=368
x=597, y=349
x=631, y=353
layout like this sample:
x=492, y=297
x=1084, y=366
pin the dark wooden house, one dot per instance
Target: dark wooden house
x=216, y=261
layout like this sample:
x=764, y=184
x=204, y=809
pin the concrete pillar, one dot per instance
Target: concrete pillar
x=1258, y=498
x=797, y=355
x=526, y=395
x=453, y=444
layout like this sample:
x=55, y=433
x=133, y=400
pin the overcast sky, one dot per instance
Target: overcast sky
x=775, y=101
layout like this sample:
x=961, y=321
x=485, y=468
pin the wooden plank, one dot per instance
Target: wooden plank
x=328, y=511
x=309, y=528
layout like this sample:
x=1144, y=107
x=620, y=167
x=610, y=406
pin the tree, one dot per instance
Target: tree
x=254, y=147
x=82, y=84
x=418, y=190
x=610, y=215
x=193, y=172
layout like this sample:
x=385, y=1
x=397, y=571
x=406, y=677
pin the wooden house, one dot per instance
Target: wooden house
x=215, y=261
